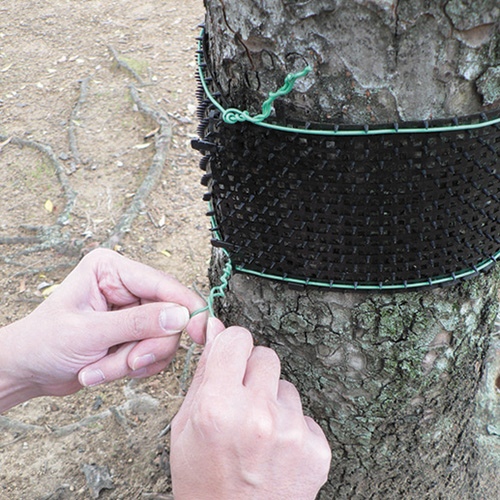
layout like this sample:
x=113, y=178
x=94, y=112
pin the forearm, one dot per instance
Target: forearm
x=14, y=383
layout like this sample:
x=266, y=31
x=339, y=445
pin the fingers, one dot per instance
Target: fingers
x=105, y=279
x=111, y=367
x=121, y=279
x=134, y=324
x=148, y=337
x=289, y=397
x=263, y=372
x=227, y=360
x=196, y=328
x=117, y=365
x=214, y=327
x=151, y=351
x=320, y=449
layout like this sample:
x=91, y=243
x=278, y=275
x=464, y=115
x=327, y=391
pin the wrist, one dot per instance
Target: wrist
x=15, y=384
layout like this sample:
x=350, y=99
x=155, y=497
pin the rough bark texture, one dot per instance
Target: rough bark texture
x=405, y=385
x=374, y=61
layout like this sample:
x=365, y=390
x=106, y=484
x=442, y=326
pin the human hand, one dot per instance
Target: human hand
x=240, y=433
x=111, y=317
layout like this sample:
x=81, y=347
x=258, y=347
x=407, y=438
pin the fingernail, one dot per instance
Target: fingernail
x=211, y=330
x=143, y=361
x=92, y=377
x=137, y=373
x=174, y=318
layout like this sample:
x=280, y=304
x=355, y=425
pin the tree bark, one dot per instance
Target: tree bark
x=405, y=385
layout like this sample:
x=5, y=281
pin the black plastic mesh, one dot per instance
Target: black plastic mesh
x=370, y=209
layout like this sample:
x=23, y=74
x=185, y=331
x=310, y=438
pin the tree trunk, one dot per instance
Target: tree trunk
x=405, y=385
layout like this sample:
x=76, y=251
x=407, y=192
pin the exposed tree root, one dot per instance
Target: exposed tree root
x=10, y=425
x=135, y=402
x=16, y=240
x=162, y=139
x=121, y=63
x=73, y=144
x=53, y=237
x=47, y=150
x=46, y=237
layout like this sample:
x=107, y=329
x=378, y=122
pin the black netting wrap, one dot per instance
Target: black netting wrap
x=384, y=210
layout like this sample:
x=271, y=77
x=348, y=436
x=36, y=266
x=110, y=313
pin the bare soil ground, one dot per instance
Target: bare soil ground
x=65, y=71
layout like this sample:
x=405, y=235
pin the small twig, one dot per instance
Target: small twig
x=4, y=143
x=152, y=220
x=198, y=291
x=34, y=300
x=15, y=440
x=180, y=119
x=120, y=419
x=185, y=371
x=165, y=430
x=123, y=64
x=73, y=145
x=84, y=422
x=156, y=496
x=56, y=494
x=162, y=143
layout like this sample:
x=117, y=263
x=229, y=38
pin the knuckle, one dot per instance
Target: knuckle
x=264, y=427
x=210, y=414
x=294, y=437
x=98, y=254
x=137, y=324
x=261, y=423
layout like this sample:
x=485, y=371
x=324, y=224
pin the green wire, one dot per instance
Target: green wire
x=217, y=291
x=363, y=286
x=233, y=115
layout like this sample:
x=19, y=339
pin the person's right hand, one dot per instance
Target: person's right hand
x=240, y=433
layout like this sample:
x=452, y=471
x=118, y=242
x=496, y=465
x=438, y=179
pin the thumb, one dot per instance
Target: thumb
x=214, y=327
x=134, y=324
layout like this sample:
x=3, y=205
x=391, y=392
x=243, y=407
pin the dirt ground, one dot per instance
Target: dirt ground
x=61, y=85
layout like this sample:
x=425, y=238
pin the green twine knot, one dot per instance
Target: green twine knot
x=233, y=115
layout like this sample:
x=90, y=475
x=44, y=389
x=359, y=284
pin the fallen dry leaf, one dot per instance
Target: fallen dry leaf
x=48, y=290
x=49, y=206
x=6, y=68
x=142, y=146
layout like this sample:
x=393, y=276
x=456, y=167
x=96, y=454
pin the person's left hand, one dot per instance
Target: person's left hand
x=110, y=318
